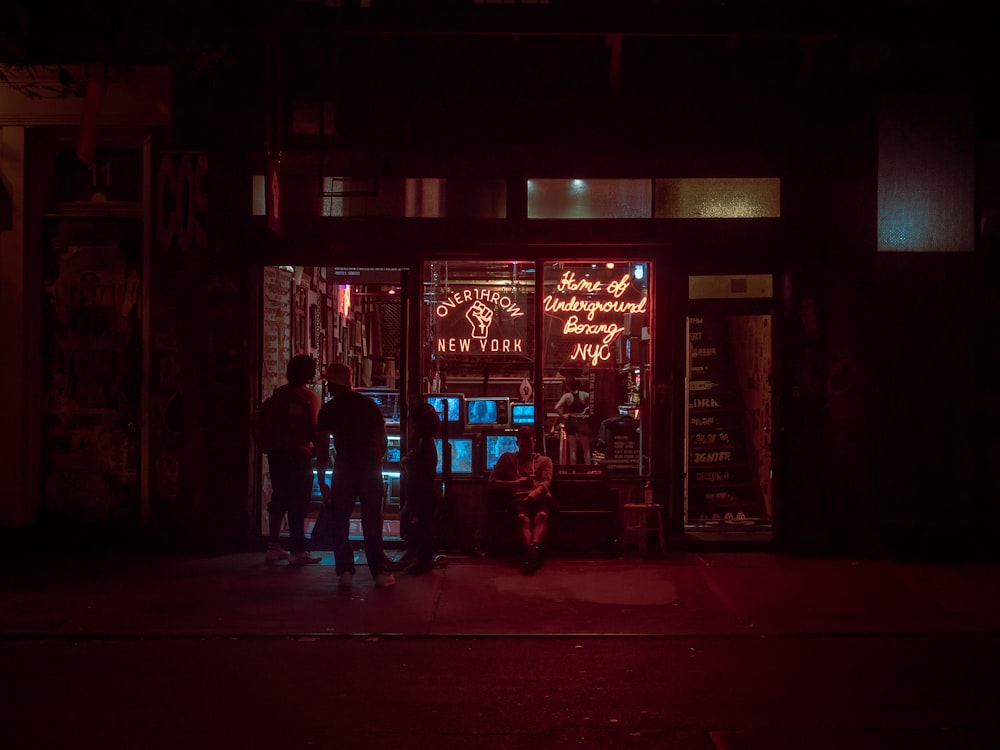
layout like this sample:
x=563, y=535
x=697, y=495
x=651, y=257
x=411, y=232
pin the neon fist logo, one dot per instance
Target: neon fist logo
x=480, y=309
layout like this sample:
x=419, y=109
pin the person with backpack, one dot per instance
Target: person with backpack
x=359, y=441
x=285, y=429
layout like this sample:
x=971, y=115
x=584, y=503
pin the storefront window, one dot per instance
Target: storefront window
x=480, y=347
x=596, y=341
x=589, y=199
x=478, y=354
x=718, y=198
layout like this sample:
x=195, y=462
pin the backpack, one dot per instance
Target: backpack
x=272, y=424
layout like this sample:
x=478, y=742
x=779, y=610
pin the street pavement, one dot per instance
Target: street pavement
x=690, y=651
x=680, y=594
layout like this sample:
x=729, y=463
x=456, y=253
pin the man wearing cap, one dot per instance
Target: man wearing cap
x=526, y=475
x=359, y=440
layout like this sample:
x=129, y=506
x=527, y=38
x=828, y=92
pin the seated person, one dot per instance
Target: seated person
x=525, y=476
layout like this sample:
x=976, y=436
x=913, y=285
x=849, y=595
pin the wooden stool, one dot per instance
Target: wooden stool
x=636, y=525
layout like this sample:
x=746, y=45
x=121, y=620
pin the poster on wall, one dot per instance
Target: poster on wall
x=276, y=350
x=276, y=326
x=92, y=364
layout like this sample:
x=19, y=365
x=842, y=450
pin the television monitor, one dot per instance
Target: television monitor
x=487, y=412
x=522, y=413
x=461, y=455
x=497, y=445
x=455, y=402
x=393, y=454
x=387, y=401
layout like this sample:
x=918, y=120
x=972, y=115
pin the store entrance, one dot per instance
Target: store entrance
x=353, y=316
x=728, y=419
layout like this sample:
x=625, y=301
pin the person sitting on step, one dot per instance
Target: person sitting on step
x=525, y=476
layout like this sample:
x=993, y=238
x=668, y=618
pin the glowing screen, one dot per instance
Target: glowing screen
x=496, y=446
x=461, y=455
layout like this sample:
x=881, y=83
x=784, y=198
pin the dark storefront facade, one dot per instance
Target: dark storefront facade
x=768, y=259
x=488, y=318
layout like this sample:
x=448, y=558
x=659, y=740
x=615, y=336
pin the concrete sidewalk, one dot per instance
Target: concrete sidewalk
x=685, y=594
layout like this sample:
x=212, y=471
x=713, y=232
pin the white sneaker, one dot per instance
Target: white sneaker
x=275, y=552
x=303, y=558
x=385, y=580
x=346, y=580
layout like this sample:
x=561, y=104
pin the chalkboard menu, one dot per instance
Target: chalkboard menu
x=622, y=446
x=276, y=345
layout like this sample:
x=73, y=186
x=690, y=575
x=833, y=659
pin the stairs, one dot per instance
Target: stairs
x=722, y=486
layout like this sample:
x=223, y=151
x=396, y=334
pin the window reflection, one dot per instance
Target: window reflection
x=589, y=199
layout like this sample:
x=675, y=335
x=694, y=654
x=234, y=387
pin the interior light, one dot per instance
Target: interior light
x=639, y=271
x=610, y=266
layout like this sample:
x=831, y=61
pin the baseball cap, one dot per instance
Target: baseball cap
x=338, y=374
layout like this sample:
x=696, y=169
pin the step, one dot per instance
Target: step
x=715, y=476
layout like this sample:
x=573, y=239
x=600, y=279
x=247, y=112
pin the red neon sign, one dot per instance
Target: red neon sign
x=596, y=313
x=479, y=321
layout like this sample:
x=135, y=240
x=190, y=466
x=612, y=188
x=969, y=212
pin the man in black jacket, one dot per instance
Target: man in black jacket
x=359, y=441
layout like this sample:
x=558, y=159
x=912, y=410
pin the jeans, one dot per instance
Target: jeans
x=352, y=483
x=291, y=492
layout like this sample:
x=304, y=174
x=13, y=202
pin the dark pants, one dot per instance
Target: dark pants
x=418, y=521
x=291, y=492
x=353, y=483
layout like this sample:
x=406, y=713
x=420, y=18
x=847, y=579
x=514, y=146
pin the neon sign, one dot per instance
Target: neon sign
x=595, y=317
x=476, y=320
x=345, y=300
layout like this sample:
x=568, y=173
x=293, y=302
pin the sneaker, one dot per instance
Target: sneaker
x=532, y=559
x=440, y=561
x=275, y=552
x=303, y=558
x=385, y=580
x=346, y=580
x=526, y=567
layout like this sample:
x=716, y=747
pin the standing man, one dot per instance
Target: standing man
x=290, y=460
x=359, y=440
x=526, y=475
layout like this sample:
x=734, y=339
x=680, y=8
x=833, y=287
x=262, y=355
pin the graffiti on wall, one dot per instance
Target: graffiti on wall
x=92, y=368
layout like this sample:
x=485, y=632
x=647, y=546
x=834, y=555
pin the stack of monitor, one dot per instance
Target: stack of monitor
x=481, y=412
x=480, y=429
